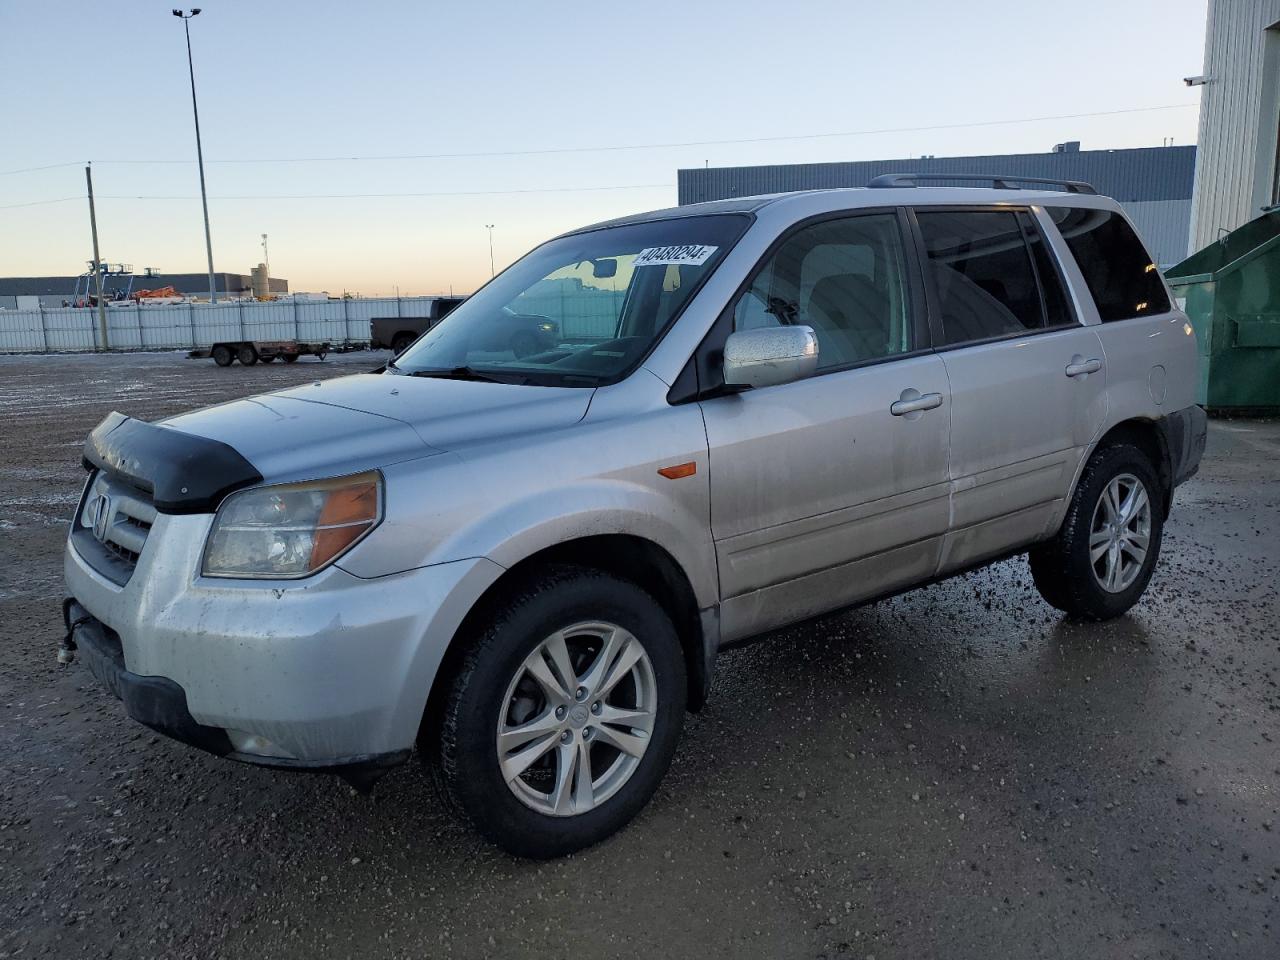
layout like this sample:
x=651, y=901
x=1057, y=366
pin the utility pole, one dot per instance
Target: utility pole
x=267, y=261
x=489, y=227
x=97, y=263
x=195, y=111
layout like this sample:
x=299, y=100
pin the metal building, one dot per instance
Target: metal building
x=1153, y=183
x=1237, y=173
x=52, y=291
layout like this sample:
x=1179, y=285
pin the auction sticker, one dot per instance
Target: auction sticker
x=693, y=254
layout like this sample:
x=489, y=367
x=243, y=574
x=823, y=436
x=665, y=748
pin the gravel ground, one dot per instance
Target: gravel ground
x=957, y=772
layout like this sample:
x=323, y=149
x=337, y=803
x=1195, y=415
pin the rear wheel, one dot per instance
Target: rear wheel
x=564, y=715
x=247, y=354
x=222, y=355
x=1101, y=561
x=401, y=343
x=289, y=357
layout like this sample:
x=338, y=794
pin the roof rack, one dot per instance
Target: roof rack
x=1000, y=183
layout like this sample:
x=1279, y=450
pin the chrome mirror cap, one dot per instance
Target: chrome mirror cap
x=767, y=356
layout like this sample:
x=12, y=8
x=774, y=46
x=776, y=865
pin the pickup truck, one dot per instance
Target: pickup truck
x=397, y=333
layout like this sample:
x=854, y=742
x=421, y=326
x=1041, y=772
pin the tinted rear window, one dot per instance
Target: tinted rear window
x=981, y=270
x=1116, y=267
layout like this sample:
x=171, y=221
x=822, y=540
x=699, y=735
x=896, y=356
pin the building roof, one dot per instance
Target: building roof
x=1139, y=174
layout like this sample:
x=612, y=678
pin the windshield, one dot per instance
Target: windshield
x=583, y=310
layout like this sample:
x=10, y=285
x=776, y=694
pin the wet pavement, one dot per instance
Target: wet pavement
x=956, y=772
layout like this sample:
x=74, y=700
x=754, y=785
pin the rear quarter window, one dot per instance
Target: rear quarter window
x=1119, y=272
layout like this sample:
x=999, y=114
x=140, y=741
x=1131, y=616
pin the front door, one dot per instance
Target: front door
x=831, y=489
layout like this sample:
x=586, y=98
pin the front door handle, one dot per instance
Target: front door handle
x=1079, y=367
x=912, y=401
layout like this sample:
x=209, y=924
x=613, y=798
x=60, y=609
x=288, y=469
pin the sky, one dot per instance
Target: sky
x=524, y=96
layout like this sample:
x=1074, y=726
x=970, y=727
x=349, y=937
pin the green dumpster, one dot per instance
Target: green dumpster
x=1231, y=292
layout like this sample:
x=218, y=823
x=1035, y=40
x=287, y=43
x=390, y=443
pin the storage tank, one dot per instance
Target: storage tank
x=259, y=282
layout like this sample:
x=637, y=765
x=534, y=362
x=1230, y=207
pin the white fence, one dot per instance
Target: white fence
x=187, y=325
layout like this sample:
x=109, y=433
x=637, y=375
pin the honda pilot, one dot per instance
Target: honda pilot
x=521, y=564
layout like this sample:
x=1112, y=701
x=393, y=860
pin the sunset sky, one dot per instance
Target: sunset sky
x=284, y=83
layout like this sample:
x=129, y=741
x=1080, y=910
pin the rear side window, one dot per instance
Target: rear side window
x=1117, y=268
x=1057, y=309
x=982, y=272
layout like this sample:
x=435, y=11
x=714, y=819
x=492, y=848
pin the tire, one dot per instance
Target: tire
x=401, y=343
x=222, y=355
x=289, y=357
x=267, y=357
x=492, y=689
x=247, y=354
x=1107, y=585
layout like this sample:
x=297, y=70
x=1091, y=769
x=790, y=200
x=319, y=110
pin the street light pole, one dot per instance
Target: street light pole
x=489, y=227
x=97, y=264
x=266, y=257
x=195, y=111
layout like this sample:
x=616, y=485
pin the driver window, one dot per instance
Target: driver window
x=844, y=278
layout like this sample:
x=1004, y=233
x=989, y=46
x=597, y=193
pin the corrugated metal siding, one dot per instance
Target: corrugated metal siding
x=189, y=325
x=1237, y=145
x=1142, y=174
x=1164, y=226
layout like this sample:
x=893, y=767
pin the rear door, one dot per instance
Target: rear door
x=834, y=488
x=1151, y=365
x=1026, y=376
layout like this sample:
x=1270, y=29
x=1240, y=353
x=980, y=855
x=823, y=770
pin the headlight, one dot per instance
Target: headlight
x=292, y=529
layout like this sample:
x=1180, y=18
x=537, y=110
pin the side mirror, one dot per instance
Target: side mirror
x=604, y=269
x=767, y=356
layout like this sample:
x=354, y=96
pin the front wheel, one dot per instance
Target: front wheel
x=563, y=716
x=247, y=354
x=1101, y=561
x=223, y=356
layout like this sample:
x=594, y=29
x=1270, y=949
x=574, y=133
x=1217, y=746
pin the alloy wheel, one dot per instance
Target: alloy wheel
x=1120, y=533
x=577, y=718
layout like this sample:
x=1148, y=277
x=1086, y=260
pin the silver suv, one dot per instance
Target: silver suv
x=751, y=412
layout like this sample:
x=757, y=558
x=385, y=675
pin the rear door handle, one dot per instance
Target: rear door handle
x=913, y=402
x=1079, y=367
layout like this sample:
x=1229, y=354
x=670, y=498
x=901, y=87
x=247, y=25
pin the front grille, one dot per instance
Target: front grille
x=124, y=553
x=112, y=526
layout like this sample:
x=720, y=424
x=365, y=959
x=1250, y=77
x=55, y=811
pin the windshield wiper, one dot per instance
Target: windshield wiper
x=466, y=373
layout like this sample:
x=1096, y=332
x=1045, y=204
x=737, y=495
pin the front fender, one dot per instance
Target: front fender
x=507, y=502
x=599, y=508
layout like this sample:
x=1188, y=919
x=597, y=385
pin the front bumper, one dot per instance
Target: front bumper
x=161, y=704
x=330, y=671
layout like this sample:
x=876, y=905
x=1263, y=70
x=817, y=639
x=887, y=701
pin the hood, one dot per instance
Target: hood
x=367, y=420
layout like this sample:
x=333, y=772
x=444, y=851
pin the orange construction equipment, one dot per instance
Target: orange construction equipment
x=158, y=292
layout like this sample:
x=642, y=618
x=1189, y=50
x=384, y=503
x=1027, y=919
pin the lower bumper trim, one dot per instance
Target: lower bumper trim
x=161, y=704
x=155, y=702
x=361, y=772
